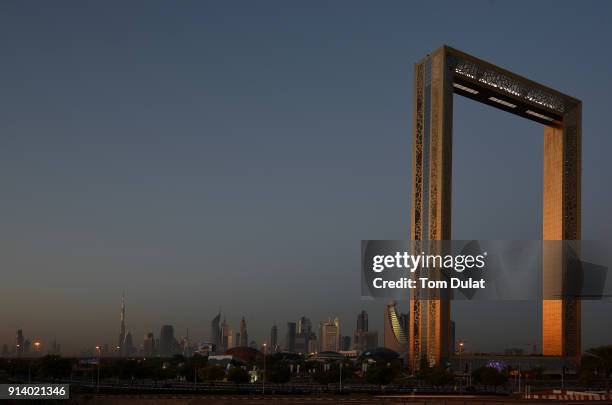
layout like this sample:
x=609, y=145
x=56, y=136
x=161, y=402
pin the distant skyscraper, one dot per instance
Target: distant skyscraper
x=166, y=341
x=304, y=325
x=185, y=345
x=5, y=350
x=122, y=328
x=337, y=323
x=244, y=336
x=274, y=339
x=302, y=337
x=129, y=345
x=371, y=340
x=149, y=345
x=360, y=339
x=362, y=321
x=290, y=337
x=396, y=337
x=301, y=343
x=55, y=348
x=215, y=332
x=329, y=335
x=19, y=342
x=227, y=336
x=346, y=343
x=313, y=343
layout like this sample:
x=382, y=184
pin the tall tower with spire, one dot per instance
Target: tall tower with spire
x=121, y=342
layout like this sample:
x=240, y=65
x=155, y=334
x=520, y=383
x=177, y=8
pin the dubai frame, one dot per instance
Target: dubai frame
x=437, y=77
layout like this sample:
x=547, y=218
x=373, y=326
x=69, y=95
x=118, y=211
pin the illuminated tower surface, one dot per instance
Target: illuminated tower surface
x=438, y=76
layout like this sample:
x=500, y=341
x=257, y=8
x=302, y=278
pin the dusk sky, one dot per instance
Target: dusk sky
x=233, y=154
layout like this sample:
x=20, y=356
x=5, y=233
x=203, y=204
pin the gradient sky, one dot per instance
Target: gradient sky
x=234, y=154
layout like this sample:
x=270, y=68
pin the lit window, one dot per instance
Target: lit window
x=542, y=116
x=502, y=102
x=464, y=88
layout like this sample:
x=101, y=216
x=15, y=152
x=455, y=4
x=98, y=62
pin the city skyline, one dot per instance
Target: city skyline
x=393, y=335
x=168, y=343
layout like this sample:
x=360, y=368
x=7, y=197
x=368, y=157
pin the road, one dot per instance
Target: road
x=171, y=399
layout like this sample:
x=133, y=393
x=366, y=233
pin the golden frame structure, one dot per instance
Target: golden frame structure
x=437, y=77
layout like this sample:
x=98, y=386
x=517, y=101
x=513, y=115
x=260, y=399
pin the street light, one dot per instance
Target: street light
x=460, y=366
x=99, y=350
x=263, y=388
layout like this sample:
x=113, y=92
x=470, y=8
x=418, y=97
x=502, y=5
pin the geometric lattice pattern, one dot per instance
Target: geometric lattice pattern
x=437, y=77
x=506, y=84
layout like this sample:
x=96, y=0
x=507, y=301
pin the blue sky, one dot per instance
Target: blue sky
x=199, y=154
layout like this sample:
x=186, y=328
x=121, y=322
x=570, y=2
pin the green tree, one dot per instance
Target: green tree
x=238, y=375
x=489, y=377
x=211, y=373
x=54, y=367
x=439, y=377
x=126, y=369
x=278, y=373
x=188, y=367
x=380, y=375
x=156, y=369
x=322, y=376
x=599, y=361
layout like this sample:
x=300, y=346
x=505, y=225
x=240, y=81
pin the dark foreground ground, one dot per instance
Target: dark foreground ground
x=170, y=399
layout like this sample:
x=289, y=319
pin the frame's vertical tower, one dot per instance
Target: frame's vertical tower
x=562, y=167
x=431, y=196
x=436, y=78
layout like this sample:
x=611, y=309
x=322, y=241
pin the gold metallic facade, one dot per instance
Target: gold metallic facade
x=436, y=78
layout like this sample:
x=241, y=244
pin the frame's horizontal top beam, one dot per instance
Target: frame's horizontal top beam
x=539, y=100
x=503, y=102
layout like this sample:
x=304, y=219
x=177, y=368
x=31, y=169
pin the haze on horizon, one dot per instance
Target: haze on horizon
x=234, y=154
